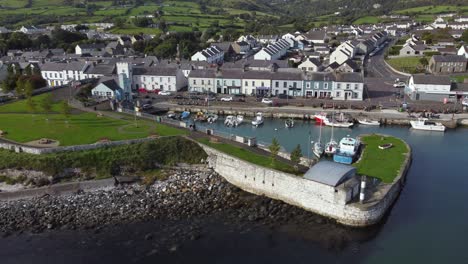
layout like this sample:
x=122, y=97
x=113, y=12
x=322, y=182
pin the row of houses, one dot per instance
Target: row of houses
x=293, y=82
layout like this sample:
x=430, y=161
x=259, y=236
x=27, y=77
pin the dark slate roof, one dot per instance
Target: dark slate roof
x=353, y=77
x=315, y=35
x=111, y=84
x=449, y=58
x=156, y=71
x=315, y=61
x=431, y=79
x=104, y=69
x=70, y=66
x=352, y=64
x=92, y=46
x=265, y=63
x=287, y=75
x=319, y=76
x=207, y=73
x=330, y=173
x=230, y=74
x=334, y=65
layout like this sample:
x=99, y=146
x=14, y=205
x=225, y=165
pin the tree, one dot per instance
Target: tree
x=296, y=154
x=274, y=149
x=20, y=86
x=464, y=36
x=46, y=104
x=31, y=105
x=28, y=89
x=424, y=61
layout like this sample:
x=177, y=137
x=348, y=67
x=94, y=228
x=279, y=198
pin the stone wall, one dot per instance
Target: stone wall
x=312, y=196
x=38, y=151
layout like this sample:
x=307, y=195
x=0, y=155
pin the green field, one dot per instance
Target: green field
x=407, y=64
x=78, y=128
x=438, y=9
x=249, y=156
x=382, y=164
x=459, y=78
x=367, y=20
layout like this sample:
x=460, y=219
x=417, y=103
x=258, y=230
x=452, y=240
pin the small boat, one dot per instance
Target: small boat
x=258, y=120
x=289, y=123
x=332, y=145
x=347, y=150
x=211, y=118
x=368, y=122
x=171, y=115
x=318, y=146
x=335, y=123
x=239, y=119
x=386, y=146
x=230, y=121
x=185, y=115
x=200, y=117
x=425, y=124
x=320, y=117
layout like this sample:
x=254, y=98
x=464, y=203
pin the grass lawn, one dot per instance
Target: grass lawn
x=407, y=64
x=438, y=9
x=367, y=20
x=381, y=164
x=249, y=156
x=459, y=78
x=80, y=128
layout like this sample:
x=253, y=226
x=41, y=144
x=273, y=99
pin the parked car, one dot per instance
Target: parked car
x=210, y=98
x=399, y=85
x=239, y=97
x=146, y=106
x=178, y=97
x=226, y=99
x=164, y=93
x=267, y=101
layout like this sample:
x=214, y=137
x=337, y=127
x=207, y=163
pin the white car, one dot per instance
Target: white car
x=164, y=93
x=399, y=85
x=267, y=101
x=226, y=99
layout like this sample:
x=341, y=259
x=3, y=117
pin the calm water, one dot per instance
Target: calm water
x=428, y=224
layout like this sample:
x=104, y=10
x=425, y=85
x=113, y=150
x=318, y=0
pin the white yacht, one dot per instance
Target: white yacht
x=425, y=124
x=346, y=153
x=239, y=119
x=368, y=122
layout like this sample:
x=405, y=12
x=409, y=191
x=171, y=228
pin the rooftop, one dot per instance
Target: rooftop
x=330, y=173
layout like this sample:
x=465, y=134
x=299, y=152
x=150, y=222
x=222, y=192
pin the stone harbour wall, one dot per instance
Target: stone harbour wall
x=309, y=195
x=39, y=151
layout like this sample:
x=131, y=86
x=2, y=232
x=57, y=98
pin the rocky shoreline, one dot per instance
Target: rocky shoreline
x=184, y=196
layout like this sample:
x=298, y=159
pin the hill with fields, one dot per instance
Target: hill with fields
x=265, y=16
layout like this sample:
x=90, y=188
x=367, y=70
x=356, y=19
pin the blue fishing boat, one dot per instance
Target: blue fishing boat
x=185, y=115
x=347, y=150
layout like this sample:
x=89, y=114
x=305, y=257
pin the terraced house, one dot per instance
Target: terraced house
x=273, y=51
x=57, y=74
x=211, y=54
x=440, y=64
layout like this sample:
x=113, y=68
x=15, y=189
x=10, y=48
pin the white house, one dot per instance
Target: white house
x=428, y=87
x=107, y=89
x=463, y=51
x=202, y=80
x=81, y=49
x=257, y=82
x=461, y=19
x=57, y=74
x=159, y=78
x=31, y=30
x=211, y=54
x=348, y=86
x=316, y=36
x=344, y=52
x=310, y=65
x=273, y=51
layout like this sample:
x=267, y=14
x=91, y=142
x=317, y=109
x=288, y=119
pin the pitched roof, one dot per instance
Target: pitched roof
x=206, y=73
x=315, y=35
x=431, y=79
x=449, y=58
x=111, y=84
x=354, y=77
x=155, y=71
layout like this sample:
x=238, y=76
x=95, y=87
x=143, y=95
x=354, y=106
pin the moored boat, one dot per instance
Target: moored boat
x=317, y=148
x=185, y=115
x=211, y=118
x=368, y=122
x=347, y=150
x=289, y=123
x=320, y=117
x=258, y=120
x=230, y=121
x=425, y=124
x=335, y=123
x=331, y=146
x=239, y=119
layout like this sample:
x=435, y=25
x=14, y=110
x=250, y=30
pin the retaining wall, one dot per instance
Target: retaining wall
x=38, y=151
x=312, y=196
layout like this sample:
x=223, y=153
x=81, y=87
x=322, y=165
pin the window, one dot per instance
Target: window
x=209, y=82
x=263, y=84
x=109, y=94
x=348, y=86
x=232, y=83
x=277, y=84
x=308, y=85
x=253, y=83
x=194, y=81
x=203, y=82
x=224, y=82
x=338, y=86
x=144, y=79
x=356, y=86
x=316, y=85
x=218, y=82
x=325, y=85
x=152, y=79
x=337, y=94
x=160, y=79
x=304, y=68
x=285, y=84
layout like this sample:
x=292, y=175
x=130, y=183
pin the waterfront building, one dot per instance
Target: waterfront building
x=348, y=86
x=440, y=64
x=318, y=84
x=202, y=80
x=229, y=81
x=57, y=74
x=428, y=87
x=287, y=82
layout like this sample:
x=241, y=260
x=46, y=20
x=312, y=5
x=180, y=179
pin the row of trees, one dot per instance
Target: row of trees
x=23, y=82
